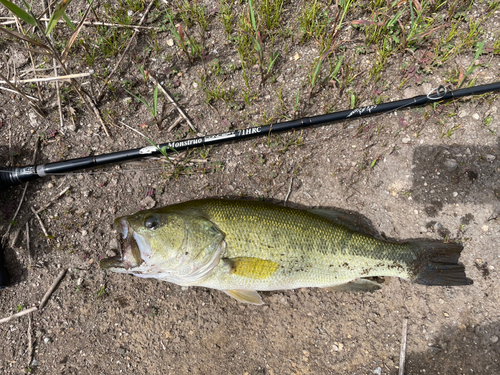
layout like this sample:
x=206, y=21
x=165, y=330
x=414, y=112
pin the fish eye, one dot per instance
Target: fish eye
x=151, y=222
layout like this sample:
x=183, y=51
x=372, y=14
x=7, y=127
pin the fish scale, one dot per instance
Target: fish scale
x=315, y=250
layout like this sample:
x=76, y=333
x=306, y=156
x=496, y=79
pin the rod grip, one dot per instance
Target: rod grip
x=13, y=176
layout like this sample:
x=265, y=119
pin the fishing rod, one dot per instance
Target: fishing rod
x=16, y=175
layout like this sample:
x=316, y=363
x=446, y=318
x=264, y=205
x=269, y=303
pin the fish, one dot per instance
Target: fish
x=243, y=246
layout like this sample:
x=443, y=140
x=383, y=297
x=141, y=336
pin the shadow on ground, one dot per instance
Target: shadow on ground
x=466, y=349
x=456, y=175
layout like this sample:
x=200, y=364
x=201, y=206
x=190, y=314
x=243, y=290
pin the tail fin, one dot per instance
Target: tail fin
x=438, y=264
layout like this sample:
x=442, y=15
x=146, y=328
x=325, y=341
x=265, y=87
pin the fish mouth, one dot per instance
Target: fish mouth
x=132, y=246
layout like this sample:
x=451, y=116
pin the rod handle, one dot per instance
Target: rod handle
x=13, y=176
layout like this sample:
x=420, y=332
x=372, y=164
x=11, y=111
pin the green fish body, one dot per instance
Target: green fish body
x=242, y=247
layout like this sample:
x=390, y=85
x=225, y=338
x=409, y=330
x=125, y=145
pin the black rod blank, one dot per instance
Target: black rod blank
x=17, y=175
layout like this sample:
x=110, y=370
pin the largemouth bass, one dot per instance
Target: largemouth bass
x=241, y=247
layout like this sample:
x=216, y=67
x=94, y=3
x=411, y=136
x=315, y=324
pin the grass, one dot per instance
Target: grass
x=101, y=292
x=153, y=106
x=243, y=53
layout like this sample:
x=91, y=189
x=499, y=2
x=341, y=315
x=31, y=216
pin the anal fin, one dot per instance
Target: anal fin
x=245, y=296
x=356, y=286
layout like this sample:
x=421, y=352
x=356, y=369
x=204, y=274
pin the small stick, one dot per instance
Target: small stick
x=176, y=122
x=402, y=354
x=17, y=211
x=98, y=115
x=101, y=94
x=28, y=242
x=17, y=92
x=30, y=101
x=289, y=191
x=52, y=200
x=16, y=235
x=51, y=289
x=30, y=341
x=41, y=223
x=61, y=118
x=48, y=79
x=155, y=81
x=11, y=155
x=22, y=313
x=87, y=23
x=33, y=160
x=31, y=70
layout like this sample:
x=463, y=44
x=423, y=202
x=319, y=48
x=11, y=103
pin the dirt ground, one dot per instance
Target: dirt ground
x=429, y=172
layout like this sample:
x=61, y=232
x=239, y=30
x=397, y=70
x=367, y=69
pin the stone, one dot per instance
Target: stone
x=450, y=164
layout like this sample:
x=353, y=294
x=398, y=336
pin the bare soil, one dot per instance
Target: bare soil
x=404, y=172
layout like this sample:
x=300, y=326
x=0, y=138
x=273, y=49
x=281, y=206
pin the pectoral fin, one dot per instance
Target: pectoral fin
x=253, y=268
x=245, y=296
x=356, y=286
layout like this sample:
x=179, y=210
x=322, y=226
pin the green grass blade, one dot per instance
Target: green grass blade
x=155, y=101
x=337, y=68
x=297, y=99
x=18, y=12
x=316, y=71
x=143, y=101
x=479, y=50
x=68, y=22
x=271, y=62
x=58, y=13
x=252, y=16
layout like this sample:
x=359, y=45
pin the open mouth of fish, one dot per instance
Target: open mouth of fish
x=132, y=249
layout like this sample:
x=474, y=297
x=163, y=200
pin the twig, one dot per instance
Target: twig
x=51, y=289
x=101, y=93
x=48, y=79
x=33, y=160
x=33, y=70
x=41, y=223
x=30, y=341
x=402, y=354
x=61, y=118
x=52, y=200
x=289, y=191
x=30, y=101
x=22, y=313
x=15, y=214
x=11, y=155
x=87, y=23
x=17, y=92
x=16, y=235
x=155, y=81
x=28, y=242
x=134, y=130
x=176, y=122
x=98, y=115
